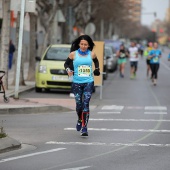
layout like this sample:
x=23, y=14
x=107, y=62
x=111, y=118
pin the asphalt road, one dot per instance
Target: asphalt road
x=128, y=129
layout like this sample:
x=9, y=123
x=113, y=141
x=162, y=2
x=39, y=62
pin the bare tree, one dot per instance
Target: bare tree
x=21, y=79
x=5, y=39
x=46, y=13
x=32, y=63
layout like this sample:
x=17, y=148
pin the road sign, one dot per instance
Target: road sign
x=29, y=5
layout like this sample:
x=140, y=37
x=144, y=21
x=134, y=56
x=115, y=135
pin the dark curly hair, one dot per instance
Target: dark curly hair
x=76, y=42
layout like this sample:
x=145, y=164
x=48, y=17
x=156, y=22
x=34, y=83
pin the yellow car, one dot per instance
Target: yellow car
x=50, y=73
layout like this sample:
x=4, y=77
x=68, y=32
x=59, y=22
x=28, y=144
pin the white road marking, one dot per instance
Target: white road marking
x=77, y=168
x=108, y=112
x=29, y=155
x=123, y=130
x=133, y=107
x=106, y=144
x=155, y=108
x=131, y=120
x=112, y=107
x=151, y=113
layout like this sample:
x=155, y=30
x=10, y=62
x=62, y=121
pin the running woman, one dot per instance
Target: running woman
x=83, y=81
x=146, y=54
x=155, y=56
x=133, y=57
x=121, y=54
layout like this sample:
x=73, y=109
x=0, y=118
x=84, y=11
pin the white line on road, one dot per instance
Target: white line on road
x=131, y=120
x=155, y=108
x=108, y=112
x=106, y=144
x=29, y=155
x=123, y=130
x=152, y=113
x=77, y=168
x=112, y=107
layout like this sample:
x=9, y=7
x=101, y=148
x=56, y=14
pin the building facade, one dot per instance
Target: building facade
x=135, y=7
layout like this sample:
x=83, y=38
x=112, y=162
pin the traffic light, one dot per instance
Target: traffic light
x=161, y=30
x=155, y=14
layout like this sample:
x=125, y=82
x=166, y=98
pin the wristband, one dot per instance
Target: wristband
x=67, y=69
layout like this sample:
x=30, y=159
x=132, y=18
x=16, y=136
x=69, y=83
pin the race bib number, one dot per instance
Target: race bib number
x=122, y=55
x=84, y=71
x=134, y=54
x=155, y=60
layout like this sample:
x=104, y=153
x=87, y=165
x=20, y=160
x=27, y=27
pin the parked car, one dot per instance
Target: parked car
x=50, y=73
x=111, y=59
x=105, y=69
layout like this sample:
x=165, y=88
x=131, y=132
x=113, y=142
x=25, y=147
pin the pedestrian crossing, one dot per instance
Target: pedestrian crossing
x=118, y=109
x=145, y=125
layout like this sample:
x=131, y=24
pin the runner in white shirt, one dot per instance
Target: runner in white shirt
x=133, y=57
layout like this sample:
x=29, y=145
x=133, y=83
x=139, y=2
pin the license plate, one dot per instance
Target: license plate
x=59, y=78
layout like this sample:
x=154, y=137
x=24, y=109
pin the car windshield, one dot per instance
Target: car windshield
x=57, y=53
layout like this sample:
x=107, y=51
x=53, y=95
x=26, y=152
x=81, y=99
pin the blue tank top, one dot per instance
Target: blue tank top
x=82, y=68
x=155, y=59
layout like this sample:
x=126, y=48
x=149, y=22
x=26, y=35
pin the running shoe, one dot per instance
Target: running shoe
x=154, y=82
x=79, y=124
x=132, y=77
x=84, y=131
x=72, y=95
x=121, y=75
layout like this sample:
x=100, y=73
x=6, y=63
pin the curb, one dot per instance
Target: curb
x=9, y=144
x=33, y=109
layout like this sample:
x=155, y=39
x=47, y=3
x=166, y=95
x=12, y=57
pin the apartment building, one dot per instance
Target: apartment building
x=135, y=7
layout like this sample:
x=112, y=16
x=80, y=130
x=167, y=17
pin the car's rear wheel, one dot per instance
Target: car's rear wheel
x=106, y=73
x=37, y=89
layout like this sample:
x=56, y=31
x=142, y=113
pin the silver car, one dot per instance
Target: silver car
x=110, y=55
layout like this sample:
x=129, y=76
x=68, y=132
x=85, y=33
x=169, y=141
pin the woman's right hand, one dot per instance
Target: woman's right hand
x=70, y=72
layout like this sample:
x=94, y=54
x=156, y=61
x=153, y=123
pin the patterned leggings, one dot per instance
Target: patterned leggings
x=82, y=93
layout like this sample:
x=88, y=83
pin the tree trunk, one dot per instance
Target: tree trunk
x=5, y=40
x=32, y=63
x=21, y=80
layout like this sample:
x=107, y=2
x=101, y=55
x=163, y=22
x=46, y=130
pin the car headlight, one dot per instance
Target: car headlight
x=42, y=69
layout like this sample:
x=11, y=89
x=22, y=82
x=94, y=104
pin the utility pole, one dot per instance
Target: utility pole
x=19, y=49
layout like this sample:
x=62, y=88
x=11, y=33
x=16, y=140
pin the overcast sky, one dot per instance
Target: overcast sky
x=151, y=6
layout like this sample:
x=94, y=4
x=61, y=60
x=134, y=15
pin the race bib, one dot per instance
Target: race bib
x=134, y=54
x=122, y=55
x=155, y=60
x=84, y=71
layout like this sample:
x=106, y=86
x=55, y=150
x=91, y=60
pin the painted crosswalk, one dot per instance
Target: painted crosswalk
x=108, y=144
x=123, y=130
x=118, y=109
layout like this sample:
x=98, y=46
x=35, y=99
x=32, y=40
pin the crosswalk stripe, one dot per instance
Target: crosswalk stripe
x=112, y=107
x=131, y=120
x=161, y=113
x=123, y=130
x=155, y=108
x=108, y=112
x=107, y=144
